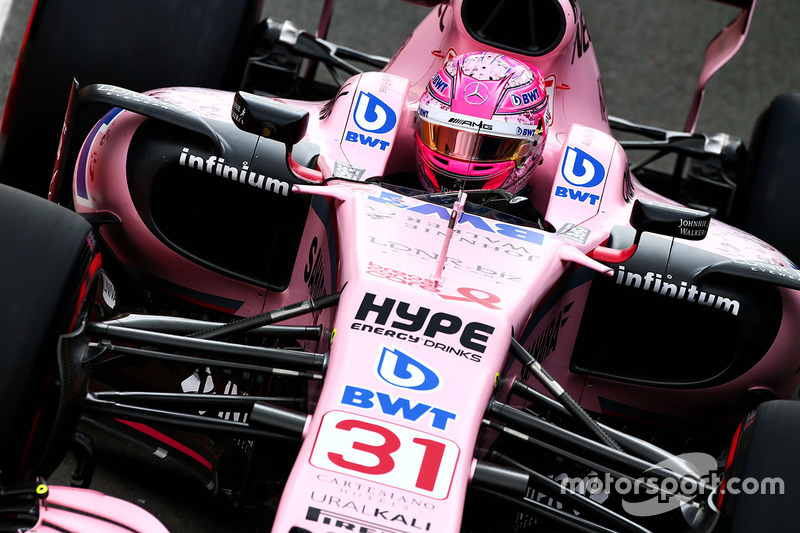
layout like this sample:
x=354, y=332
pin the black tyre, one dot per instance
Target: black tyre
x=137, y=45
x=762, y=481
x=48, y=264
x=766, y=204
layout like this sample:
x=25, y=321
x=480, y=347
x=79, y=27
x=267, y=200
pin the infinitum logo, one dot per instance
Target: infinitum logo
x=216, y=166
x=652, y=282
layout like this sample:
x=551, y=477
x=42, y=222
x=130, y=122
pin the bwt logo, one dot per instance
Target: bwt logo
x=581, y=170
x=402, y=370
x=530, y=97
x=400, y=407
x=438, y=83
x=366, y=140
x=527, y=132
x=373, y=115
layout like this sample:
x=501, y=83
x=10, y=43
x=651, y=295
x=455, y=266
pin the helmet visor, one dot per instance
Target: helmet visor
x=471, y=146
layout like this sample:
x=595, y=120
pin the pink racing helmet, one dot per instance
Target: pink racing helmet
x=481, y=124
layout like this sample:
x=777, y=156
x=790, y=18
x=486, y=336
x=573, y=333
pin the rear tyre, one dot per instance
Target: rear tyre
x=766, y=201
x=762, y=480
x=47, y=266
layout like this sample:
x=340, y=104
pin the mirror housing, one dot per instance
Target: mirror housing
x=269, y=118
x=669, y=220
x=662, y=219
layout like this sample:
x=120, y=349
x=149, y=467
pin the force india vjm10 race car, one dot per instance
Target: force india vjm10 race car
x=245, y=283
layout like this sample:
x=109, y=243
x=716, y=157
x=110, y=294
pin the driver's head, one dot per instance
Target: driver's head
x=481, y=124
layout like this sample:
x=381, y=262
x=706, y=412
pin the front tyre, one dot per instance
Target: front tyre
x=762, y=478
x=48, y=262
x=766, y=203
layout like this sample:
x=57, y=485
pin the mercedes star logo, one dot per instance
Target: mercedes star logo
x=476, y=93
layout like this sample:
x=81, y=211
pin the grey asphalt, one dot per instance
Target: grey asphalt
x=649, y=52
x=650, y=55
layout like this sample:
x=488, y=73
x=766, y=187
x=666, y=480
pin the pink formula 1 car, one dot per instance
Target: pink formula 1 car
x=251, y=286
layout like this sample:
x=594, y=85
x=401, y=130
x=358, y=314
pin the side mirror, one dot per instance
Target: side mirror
x=269, y=118
x=663, y=219
x=669, y=220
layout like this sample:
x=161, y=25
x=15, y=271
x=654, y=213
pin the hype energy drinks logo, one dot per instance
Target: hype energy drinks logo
x=584, y=173
x=373, y=116
x=401, y=370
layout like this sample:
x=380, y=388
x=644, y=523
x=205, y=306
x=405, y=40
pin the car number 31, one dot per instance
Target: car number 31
x=387, y=453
